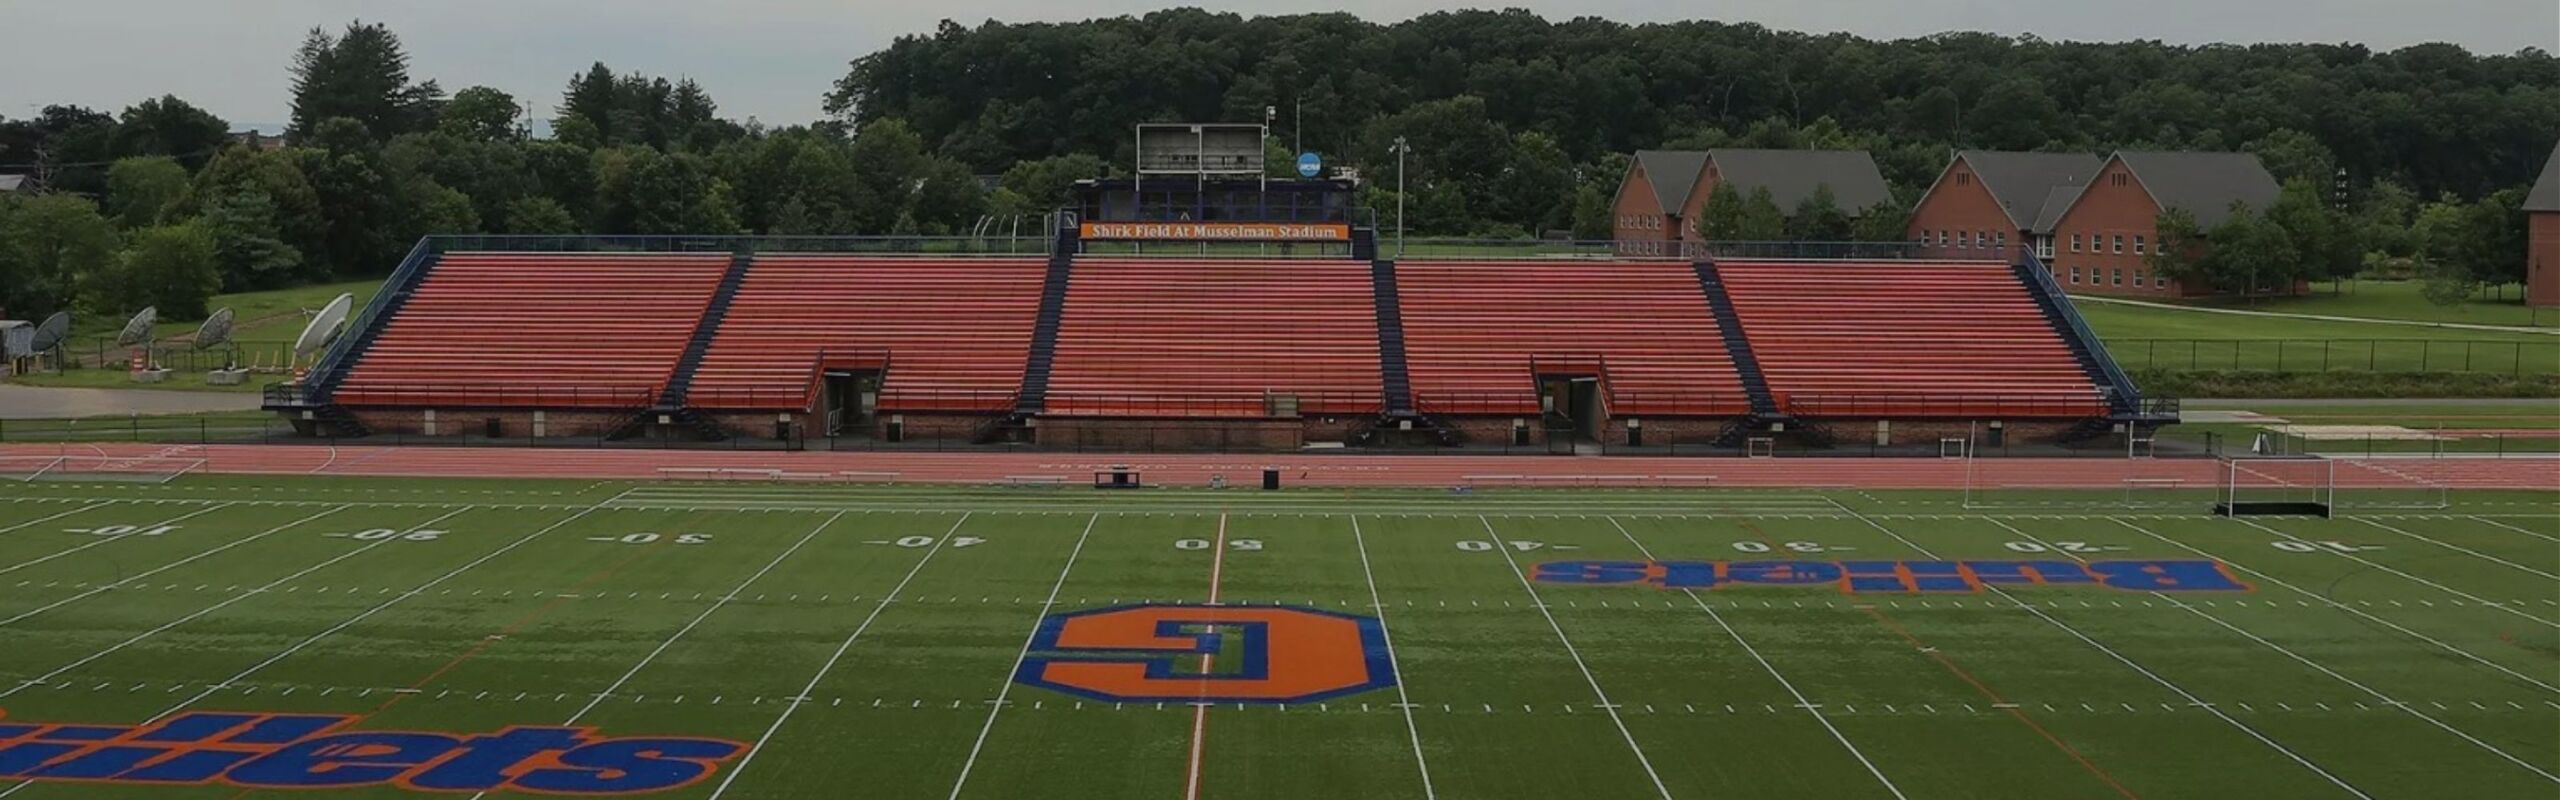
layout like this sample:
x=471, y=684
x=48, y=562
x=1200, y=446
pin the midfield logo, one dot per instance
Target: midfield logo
x=1900, y=576
x=298, y=751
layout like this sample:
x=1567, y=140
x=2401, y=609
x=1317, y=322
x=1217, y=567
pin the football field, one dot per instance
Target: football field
x=223, y=636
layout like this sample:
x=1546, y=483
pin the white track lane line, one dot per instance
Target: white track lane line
x=2463, y=550
x=1406, y=703
x=102, y=540
x=108, y=587
x=2321, y=668
x=2386, y=568
x=1005, y=689
x=1587, y=677
x=2129, y=663
x=830, y=665
x=2348, y=608
x=1801, y=701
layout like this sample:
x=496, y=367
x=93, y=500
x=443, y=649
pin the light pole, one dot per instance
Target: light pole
x=1401, y=149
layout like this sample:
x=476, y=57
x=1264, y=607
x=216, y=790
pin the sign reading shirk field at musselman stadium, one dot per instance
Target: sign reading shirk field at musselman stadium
x=300, y=751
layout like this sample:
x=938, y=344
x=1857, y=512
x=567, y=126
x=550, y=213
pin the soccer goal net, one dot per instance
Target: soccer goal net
x=2305, y=485
x=138, y=469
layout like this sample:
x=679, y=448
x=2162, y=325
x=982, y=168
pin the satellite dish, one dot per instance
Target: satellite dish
x=138, y=330
x=324, y=326
x=216, y=330
x=50, y=334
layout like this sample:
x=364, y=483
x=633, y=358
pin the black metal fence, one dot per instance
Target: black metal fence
x=2505, y=356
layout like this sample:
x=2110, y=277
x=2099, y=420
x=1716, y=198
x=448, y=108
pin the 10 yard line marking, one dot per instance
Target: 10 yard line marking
x=43, y=520
x=103, y=540
x=2120, y=658
x=732, y=594
x=1801, y=700
x=1389, y=636
x=108, y=587
x=2347, y=608
x=830, y=665
x=2460, y=549
x=1200, y=710
x=2538, y=535
x=2386, y=568
x=2378, y=695
x=1587, y=677
x=1006, y=689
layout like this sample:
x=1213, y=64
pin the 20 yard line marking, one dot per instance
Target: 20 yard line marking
x=2129, y=663
x=1389, y=636
x=2377, y=694
x=1587, y=677
x=1801, y=701
x=723, y=602
x=1005, y=689
x=830, y=665
x=1200, y=710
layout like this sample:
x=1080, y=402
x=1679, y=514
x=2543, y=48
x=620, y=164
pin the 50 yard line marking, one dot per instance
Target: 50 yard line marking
x=1006, y=689
x=1389, y=636
x=1200, y=709
x=803, y=697
x=1587, y=677
x=1801, y=700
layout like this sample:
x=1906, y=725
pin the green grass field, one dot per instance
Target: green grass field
x=860, y=640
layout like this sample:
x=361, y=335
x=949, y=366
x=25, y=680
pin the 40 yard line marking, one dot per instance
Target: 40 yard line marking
x=1406, y=703
x=2129, y=663
x=1587, y=677
x=1200, y=710
x=1801, y=700
x=830, y=665
x=1005, y=689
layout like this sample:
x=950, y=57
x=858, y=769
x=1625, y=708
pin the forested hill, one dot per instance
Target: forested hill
x=2434, y=118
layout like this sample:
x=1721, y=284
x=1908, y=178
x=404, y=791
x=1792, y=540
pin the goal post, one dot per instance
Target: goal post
x=2261, y=486
x=101, y=469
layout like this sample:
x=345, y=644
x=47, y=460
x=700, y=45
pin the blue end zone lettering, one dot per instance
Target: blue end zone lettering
x=1907, y=577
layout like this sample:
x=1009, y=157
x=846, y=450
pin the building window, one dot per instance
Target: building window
x=2044, y=247
x=2075, y=243
x=2075, y=276
x=2137, y=244
x=1979, y=241
x=2119, y=242
x=2119, y=276
x=2000, y=240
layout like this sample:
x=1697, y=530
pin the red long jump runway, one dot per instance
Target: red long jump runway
x=1422, y=471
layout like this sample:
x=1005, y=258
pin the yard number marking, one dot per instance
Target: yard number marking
x=2292, y=546
x=1482, y=546
x=385, y=534
x=125, y=530
x=1232, y=544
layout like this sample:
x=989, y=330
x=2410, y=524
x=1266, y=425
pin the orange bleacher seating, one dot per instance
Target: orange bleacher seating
x=1208, y=337
x=955, y=330
x=1472, y=328
x=1906, y=340
x=573, y=330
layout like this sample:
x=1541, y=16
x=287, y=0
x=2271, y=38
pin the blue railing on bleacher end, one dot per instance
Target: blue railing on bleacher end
x=2130, y=396
x=325, y=373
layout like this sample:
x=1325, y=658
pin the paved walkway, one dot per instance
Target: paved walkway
x=2467, y=326
x=46, y=402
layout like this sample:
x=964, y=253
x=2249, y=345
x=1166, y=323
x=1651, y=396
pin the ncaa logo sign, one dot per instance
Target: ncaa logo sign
x=1252, y=654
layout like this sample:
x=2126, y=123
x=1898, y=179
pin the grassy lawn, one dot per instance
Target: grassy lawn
x=270, y=316
x=2400, y=300
x=778, y=642
x=2143, y=337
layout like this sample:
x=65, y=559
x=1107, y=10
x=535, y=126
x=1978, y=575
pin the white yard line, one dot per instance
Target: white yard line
x=112, y=539
x=2536, y=534
x=43, y=520
x=1802, y=701
x=2376, y=694
x=1587, y=677
x=830, y=665
x=112, y=586
x=2129, y=663
x=2386, y=568
x=2460, y=549
x=1200, y=708
x=2347, y=608
x=85, y=661
x=1403, y=702
x=1005, y=689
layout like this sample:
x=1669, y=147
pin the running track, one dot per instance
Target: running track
x=1428, y=471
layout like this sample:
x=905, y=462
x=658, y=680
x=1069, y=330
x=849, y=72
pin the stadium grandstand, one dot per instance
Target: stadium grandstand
x=1202, y=305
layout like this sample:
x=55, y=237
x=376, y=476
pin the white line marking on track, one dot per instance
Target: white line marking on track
x=1587, y=677
x=1005, y=690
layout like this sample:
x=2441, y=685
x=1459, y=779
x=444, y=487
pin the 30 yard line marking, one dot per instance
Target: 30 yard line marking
x=104, y=540
x=2359, y=613
x=1005, y=689
x=1406, y=703
x=1587, y=677
x=830, y=665
x=2460, y=549
x=2387, y=700
x=108, y=587
x=1200, y=710
x=2129, y=663
x=2387, y=568
x=1801, y=701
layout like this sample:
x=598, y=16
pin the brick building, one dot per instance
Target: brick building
x=2542, y=248
x=1664, y=190
x=2102, y=237
x=1986, y=204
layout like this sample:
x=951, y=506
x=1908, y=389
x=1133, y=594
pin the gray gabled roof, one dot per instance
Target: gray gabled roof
x=1792, y=175
x=1673, y=173
x=2056, y=200
x=2023, y=183
x=2203, y=184
x=11, y=183
x=2546, y=190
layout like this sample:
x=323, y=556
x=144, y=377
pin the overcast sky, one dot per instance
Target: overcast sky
x=773, y=59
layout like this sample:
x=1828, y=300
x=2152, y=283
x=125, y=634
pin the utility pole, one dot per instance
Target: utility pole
x=1401, y=149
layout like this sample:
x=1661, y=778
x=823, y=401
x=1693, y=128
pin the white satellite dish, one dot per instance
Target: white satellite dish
x=323, y=327
x=137, y=331
x=215, y=332
x=52, y=332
